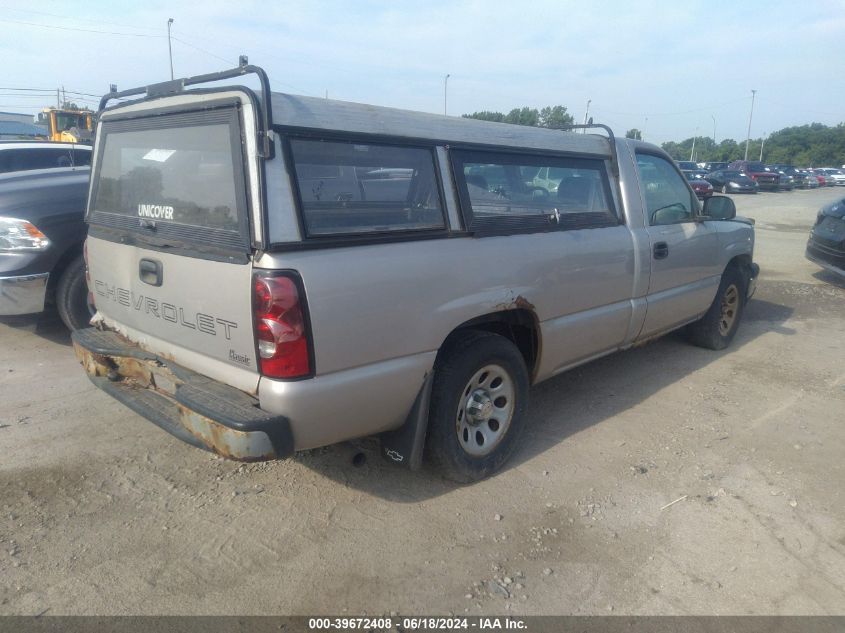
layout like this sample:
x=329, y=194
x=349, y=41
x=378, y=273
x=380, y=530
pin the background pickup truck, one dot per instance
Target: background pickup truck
x=41, y=240
x=757, y=171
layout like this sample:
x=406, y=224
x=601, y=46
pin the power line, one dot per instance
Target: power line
x=202, y=50
x=79, y=19
x=70, y=28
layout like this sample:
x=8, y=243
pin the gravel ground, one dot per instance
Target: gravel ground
x=103, y=513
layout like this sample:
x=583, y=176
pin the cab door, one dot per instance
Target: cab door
x=683, y=248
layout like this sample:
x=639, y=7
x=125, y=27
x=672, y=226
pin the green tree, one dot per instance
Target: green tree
x=524, y=116
x=634, y=133
x=555, y=117
x=486, y=115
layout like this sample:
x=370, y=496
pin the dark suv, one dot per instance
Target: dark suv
x=756, y=170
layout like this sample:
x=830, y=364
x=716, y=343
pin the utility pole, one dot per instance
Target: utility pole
x=692, y=152
x=586, y=114
x=58, y=99
x=445, y=92
x=750, y=117
x=642, y=134
x=170, y=47
x=713, y=116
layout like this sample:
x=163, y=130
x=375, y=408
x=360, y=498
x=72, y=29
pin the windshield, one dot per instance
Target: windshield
x=66, y=120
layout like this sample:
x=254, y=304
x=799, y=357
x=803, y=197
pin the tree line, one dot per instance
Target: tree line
x=805, y=145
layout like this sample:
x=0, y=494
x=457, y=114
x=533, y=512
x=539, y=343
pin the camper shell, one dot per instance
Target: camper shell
x=275, y=272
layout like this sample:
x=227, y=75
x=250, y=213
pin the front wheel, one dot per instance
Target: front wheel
x=717, y=328
x=72, y=296
x=477, y=403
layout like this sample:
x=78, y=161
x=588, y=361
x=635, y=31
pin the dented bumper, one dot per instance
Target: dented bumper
x=196, y=409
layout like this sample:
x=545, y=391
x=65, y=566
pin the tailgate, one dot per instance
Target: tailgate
x=169, y=242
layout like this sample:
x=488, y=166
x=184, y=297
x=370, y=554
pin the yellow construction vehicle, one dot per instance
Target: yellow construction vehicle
x=68, y=125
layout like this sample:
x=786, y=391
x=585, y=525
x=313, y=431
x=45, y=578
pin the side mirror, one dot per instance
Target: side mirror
x=719, y=208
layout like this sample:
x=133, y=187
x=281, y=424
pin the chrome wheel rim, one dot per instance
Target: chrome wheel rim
x=730, y=305
x=485, y=410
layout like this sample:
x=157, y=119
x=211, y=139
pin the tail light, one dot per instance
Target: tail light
x=281, y=327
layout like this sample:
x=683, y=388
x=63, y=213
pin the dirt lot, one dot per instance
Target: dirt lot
x=103, y=513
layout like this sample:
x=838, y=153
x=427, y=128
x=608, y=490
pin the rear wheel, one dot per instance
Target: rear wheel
x=477, y=403
x=717, y=328
x=72, y=296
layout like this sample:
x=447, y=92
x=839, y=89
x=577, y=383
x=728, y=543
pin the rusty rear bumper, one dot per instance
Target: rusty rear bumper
x=203, y=412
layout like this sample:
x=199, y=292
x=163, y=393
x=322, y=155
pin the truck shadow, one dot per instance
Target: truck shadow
x=592, y=394
x=47, y=325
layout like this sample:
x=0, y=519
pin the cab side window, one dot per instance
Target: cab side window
x=668, y=199
x=524, y=192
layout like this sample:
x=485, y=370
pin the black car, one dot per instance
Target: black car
x=799, y=178
x=715, y=166
x=42, y=230
x=731, y=181
x=826, y=246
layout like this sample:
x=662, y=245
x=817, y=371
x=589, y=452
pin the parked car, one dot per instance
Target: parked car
x=327, y=305
x=837, y=176
x=785, y=181
x=712, y=166
x=42, y=230
x=799, y=178
x=826, y=246
x=821, y=177
x=756, y=170
x=687, y=165
x=701, y=187
x=26, y=155
x=731, y=181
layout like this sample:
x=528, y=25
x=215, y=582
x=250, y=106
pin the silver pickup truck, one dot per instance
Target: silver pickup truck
x=275, y=273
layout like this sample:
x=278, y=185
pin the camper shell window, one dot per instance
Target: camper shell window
x=354, y=188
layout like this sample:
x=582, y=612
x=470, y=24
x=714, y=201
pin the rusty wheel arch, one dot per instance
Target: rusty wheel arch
x=519, y=324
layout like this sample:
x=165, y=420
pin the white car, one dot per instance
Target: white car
x=837, y=175
x=26, y=155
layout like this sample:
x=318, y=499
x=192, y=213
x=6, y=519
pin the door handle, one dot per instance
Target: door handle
x=151, y=272
x=661, y=250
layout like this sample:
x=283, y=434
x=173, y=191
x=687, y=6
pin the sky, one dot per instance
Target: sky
x=671, y=69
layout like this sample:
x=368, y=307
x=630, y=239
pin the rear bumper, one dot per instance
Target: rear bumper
x=23, y=295
x=196, y=409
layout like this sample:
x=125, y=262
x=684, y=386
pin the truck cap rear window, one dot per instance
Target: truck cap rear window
x=186, y=179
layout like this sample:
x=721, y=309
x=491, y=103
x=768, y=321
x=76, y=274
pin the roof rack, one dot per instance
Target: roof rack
x=614, y=163
x=178, y=85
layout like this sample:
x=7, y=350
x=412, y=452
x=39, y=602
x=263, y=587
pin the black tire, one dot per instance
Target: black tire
x=72, y=296
x=456, y=367
x=711, y=331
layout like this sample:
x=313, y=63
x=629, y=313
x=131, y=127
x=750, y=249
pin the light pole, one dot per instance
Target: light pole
x=713, y=116
x=445, y=92
x=170, y=46
x=750, y=116
x=586, y=114
x=642, y=134
x=762, y=143
x=692, y=151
